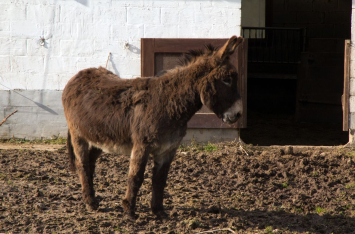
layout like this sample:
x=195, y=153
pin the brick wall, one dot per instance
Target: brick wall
x=80, y=34
x=43, y=43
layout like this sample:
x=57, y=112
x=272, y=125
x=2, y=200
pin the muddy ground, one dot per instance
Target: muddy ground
x=250, y=190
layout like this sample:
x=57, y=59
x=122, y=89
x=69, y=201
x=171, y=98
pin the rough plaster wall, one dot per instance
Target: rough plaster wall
x=43, y=43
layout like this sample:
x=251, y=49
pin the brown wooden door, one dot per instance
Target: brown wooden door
x=159, y=54
x=320, y=83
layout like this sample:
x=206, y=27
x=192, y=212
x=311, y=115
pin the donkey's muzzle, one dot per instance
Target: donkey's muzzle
x=234, y=113
x=231, y=119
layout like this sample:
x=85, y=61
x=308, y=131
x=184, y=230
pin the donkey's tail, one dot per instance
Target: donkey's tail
x=71, y=155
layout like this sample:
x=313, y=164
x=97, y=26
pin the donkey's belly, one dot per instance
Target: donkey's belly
x=168, y=144
x=114, y=148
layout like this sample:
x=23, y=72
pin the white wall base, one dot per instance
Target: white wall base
x=40, y=114
x=351, y=142
x=210, y=135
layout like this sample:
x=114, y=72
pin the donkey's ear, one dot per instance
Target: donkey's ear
x=229, y=48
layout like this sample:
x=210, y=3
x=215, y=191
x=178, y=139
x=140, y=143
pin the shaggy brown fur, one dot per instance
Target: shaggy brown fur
x=145, y=116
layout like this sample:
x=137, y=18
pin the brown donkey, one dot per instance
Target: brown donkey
x=145, y=116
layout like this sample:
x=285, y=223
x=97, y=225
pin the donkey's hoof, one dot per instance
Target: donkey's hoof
x=130, y=217
x=92, y=206
x=160, y=214
x=126, y=205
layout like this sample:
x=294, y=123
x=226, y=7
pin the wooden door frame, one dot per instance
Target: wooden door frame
x=346, y=91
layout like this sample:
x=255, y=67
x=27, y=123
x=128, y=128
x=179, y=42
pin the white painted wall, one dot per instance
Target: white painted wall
x=78, y=34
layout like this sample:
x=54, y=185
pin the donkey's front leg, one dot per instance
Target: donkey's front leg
x=138, y=161
x=160, y=173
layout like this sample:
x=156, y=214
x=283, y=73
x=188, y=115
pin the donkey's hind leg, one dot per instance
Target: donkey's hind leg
x=160, y=173
x=85, y=165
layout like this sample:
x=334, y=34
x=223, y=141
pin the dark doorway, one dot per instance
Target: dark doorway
x=297, y=102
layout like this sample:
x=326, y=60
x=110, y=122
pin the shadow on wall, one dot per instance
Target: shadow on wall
x=83, y=2
x=46, y=108
x=114, y=67
x=40, y=105
x=132, y=48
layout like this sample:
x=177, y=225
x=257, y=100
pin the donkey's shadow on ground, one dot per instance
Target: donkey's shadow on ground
x=279, y=220
x=242, y=220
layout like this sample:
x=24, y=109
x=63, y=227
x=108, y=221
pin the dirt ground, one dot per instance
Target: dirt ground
x=247, y=190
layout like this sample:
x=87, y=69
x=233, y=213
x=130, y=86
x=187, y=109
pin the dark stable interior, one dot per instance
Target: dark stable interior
x=296, y=74
x=272, y=118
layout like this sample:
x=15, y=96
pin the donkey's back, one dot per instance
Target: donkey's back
x=97, y=106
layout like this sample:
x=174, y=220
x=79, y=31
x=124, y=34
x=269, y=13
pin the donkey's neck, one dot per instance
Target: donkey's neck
x=181, y=86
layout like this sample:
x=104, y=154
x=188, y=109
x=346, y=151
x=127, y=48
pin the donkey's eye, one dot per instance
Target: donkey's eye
x=227, y=81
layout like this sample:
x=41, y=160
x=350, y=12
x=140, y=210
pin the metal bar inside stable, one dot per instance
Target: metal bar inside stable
x=274, y=44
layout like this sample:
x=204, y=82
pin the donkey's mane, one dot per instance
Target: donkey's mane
x=192, y=55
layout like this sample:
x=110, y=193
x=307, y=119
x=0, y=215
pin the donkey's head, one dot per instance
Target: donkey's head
x=219, y=86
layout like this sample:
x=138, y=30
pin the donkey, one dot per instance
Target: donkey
x=145, y=116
